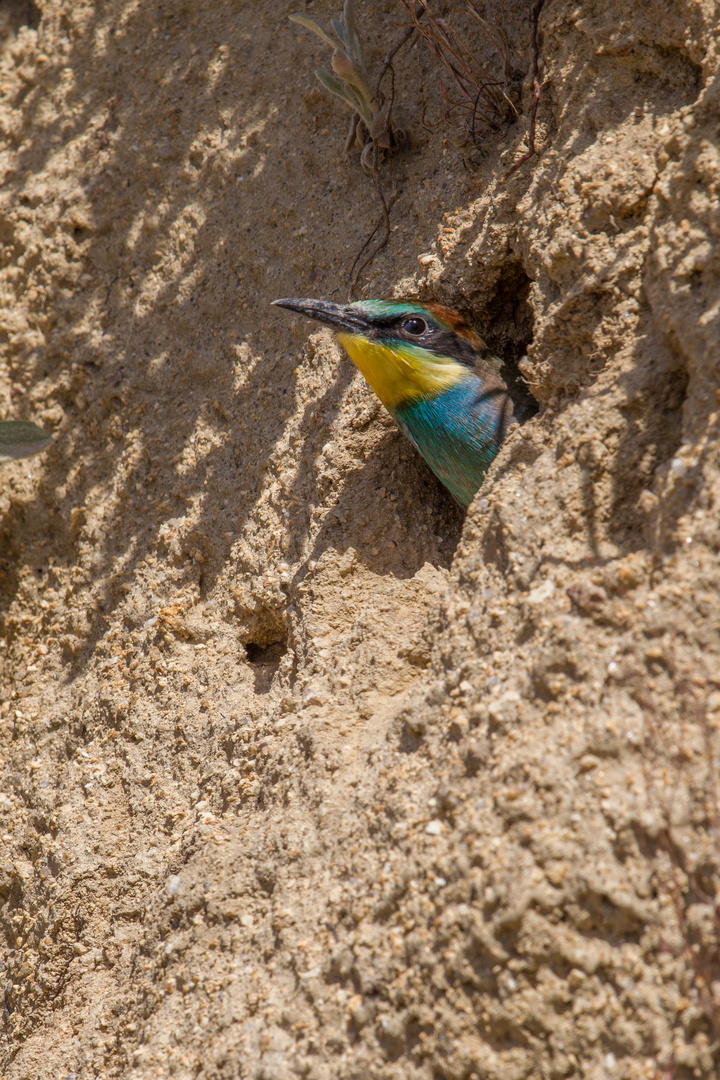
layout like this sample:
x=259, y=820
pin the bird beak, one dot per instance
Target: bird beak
x=338, y=316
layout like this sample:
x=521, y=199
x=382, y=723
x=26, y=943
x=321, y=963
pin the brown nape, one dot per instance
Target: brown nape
x=451, y=319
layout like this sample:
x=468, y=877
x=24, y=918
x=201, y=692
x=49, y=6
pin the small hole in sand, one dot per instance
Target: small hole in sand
x=265, y=661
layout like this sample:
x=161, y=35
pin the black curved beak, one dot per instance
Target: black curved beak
x=338, y=316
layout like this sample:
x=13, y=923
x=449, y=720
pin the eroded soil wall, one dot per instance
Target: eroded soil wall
x=302, y=774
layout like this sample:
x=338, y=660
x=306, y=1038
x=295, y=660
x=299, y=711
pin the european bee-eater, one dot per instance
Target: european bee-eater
x=436, y=378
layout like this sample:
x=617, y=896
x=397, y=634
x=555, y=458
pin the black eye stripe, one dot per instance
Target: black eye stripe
x=435, y=338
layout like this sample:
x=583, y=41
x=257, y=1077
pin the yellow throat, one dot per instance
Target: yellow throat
x=401, y=373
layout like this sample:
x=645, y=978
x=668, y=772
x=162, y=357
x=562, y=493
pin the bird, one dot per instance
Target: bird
x=448, y=394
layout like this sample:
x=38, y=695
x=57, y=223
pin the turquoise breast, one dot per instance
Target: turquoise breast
x=459, y=432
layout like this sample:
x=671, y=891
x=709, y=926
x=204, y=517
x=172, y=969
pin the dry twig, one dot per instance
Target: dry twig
x=479, y=92
x=535, y=45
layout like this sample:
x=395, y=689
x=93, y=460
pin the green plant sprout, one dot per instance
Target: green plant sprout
x=370, y=129
x=20, y=439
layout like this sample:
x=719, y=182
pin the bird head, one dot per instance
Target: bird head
x=406, y=350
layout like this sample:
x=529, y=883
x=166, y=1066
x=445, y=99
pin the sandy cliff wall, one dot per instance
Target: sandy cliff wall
x=302, y=775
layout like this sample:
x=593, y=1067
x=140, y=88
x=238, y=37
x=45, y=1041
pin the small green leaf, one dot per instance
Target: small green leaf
x=20, y=439
x=339, y=30
x=345, y=92
x=341, y=90
x=353, y=38
x=310, y=24
x=345, y=69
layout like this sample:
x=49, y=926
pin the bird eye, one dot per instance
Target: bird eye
x=414, y=326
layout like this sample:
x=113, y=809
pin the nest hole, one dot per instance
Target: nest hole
x=264, y=660
x=508, y=329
